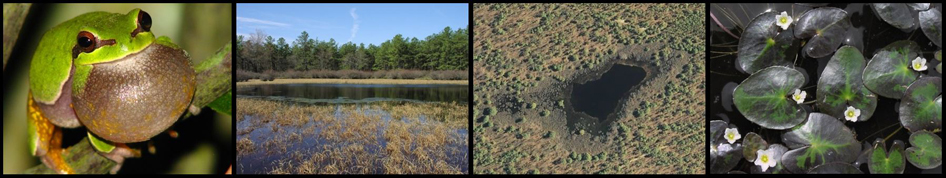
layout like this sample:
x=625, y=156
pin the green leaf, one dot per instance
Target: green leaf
x=99, y=144
x=921, y=108
x=761, y=44
x=883, y=162
x=841, y=86
x=826, y=26
x=899, y=15
x=931, y=22
x=835, y=168
x=727, y=160
x=764, y=98
x=223, y=103
x=752, y=143
x=927, y=150
x=822, y=139
x=888, y=73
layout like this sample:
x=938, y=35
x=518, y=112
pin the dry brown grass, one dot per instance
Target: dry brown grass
x=353, y=145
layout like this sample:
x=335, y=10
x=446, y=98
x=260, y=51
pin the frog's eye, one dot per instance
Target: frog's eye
x=144, y=21
x=87, y=42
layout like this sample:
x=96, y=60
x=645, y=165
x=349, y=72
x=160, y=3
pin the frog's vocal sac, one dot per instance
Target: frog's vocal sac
x=109, y=73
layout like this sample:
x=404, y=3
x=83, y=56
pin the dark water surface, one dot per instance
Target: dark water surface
x=599, y=98
x=342, y=93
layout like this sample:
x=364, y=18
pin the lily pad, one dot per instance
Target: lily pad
x=762, y=45
x=841, y=85
x=883, y=162
x=726, y=160
x=922, y=106
x=752, y=143
x=919, y=6
x=822, y=139
x=717, y=129
x=825, y=26
x=898, y=15
x=927, y=150
x=779, y=168
x=763, y=98
x=835, y=168
x=931, y=22
x=888, y=73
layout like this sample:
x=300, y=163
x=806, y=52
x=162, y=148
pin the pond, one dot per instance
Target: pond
x=868, y=34
x=599, y=98
x=357, y=93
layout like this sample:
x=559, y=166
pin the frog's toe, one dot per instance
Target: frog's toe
x=193, y=109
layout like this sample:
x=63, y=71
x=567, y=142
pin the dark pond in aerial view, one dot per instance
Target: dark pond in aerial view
x=356, y=93
x=599, y=98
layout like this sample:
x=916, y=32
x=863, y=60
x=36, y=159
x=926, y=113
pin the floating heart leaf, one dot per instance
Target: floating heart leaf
x=931, y=22
x=927, y=150
x=779, y=168
x=825, y=26
x=717, y=129
x=841, y=85
x=763, y=98
x=727, y=158
x=888, y=73
x=898, y=15
x=752, y=143
x=919, y=6
x=761, y=44
x=922, y=106
x=822, y=139
x=835, y=168
x=883, y=162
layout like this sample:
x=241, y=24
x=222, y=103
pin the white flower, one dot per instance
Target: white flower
x=732, y=135
x=799, y=96
x=783, y=20
x=766, y=159
x=724, y=148
x=851, y=114
x=919, y=64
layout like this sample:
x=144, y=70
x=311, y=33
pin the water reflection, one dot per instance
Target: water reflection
x=360, y=92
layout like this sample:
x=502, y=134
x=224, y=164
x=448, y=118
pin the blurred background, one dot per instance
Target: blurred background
x=205, y=141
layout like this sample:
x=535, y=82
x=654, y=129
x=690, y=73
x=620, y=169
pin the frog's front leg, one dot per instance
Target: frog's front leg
x=45, y=138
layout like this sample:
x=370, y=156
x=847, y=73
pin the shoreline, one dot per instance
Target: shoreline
x=353, y=81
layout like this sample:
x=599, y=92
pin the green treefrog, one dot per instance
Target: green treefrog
x=109, y=73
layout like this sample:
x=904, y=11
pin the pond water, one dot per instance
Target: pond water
x=357, y=93
x=868, y=34
x=598, y=98
x=260, y=161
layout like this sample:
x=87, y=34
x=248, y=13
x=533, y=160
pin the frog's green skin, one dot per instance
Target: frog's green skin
x=127, y=87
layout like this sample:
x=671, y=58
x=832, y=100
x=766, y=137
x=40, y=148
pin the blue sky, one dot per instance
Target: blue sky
x=359, y=23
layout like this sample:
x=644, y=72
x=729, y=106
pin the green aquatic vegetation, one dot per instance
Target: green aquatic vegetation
x=763, y=44
x=921, y=107
x=883, y=162
x=822, y=139
x=888, y=73
x=825, y=26
x=927, y=150
x=763, y=98
x=840, y=86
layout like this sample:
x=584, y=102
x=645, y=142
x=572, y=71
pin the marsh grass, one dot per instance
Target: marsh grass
x=377, y=138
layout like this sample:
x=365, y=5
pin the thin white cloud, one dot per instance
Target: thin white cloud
x=354, y=27
x=265, y=22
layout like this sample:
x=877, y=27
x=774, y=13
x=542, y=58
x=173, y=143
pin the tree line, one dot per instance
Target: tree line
x=445, y=50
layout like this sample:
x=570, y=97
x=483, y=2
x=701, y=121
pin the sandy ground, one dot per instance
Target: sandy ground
x=355, y=81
